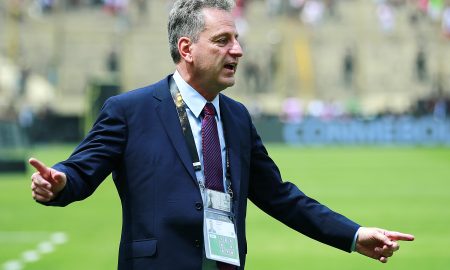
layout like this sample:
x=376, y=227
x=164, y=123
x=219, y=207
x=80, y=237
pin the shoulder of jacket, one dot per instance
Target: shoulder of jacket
x=142, y=93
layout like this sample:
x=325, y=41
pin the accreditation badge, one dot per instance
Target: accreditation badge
x=220, y=237
x=218, y=200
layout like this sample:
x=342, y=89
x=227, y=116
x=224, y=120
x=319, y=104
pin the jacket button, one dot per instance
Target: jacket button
x=198, y=206
x=197, y=243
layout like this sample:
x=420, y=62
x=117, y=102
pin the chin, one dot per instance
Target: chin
x=228, y=82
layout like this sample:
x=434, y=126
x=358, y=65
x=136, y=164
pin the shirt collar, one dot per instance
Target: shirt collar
x=194, y=101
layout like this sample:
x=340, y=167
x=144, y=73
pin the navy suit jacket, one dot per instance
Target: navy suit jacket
x=138, y=138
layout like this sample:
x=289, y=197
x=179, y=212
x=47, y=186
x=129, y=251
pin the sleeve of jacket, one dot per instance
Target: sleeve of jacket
x=287, y=203
x=96, y=156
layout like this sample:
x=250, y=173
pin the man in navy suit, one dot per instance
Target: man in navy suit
x=139, y=139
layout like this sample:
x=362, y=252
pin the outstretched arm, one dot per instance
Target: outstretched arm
x=379, y=244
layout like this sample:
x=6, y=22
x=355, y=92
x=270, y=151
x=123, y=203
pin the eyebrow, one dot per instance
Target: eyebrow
x=236, y=35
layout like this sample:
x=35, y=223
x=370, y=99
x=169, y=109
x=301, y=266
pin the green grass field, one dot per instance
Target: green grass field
x=399, y=188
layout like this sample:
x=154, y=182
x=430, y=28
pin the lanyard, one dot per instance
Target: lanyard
x=189, y=137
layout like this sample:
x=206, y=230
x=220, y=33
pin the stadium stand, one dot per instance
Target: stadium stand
x=287, y=54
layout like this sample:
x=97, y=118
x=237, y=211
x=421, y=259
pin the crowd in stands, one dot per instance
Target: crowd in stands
x=295, y=110
x=308, y=12
x=312, y=12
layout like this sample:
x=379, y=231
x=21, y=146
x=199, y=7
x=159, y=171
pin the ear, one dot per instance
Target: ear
x=184, y=47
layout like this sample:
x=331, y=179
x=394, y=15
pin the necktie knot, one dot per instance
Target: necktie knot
x=209, y=109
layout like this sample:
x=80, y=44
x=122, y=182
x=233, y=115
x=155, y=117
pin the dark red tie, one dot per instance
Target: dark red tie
x=212, y=159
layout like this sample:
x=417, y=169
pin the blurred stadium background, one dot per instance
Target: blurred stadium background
x=353, y=75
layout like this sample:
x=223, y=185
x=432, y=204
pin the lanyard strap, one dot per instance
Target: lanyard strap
x=189, y=137
x=184, y=121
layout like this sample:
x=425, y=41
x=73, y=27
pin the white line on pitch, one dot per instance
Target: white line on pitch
x=31, y=256
x=22, y=236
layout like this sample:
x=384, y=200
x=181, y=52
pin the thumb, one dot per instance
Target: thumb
x=40, y=167
x=58, y=177
x=59, y=180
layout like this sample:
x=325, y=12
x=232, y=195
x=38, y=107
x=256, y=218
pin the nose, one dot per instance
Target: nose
x=236, y=49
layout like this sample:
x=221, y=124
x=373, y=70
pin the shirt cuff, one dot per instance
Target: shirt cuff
x=355, y=238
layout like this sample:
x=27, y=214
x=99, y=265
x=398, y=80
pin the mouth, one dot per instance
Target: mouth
x=231, y=66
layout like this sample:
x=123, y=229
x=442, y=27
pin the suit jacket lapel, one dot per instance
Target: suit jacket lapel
x=233, y=144
x=168, y=115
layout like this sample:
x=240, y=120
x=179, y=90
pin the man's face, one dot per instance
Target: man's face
x=216, y=53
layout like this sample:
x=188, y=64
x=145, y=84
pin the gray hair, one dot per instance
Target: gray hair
x=186, y=20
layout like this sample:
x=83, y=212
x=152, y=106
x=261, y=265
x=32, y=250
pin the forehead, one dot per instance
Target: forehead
x=218, y=21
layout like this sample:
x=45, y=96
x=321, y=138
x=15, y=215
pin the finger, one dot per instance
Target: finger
x=41, y=182
x=40, y=167
x=43, y=192
x=34, y=186
x=383, y=259
x=39, y=197
x=399, y=236
x=383, y=252
x=388, y=251
x=381, y=237
x=395, y=246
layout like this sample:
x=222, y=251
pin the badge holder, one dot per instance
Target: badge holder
x=219, y=231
